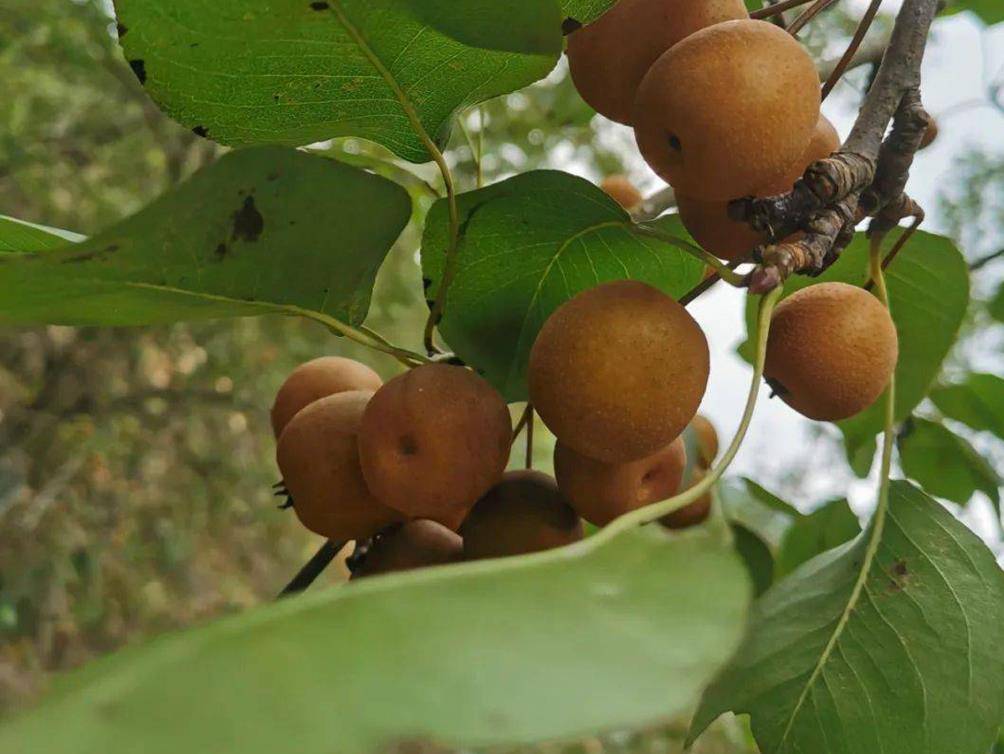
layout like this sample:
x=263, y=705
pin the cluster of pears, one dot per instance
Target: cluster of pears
x=723, y=106
x=416, y=467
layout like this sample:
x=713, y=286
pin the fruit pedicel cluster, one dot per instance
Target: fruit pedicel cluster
x=723, y=107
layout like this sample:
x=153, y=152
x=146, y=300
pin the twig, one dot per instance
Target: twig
x=777, y=8
x=984, y=261
x=810, y=13
x=313, y=568
x=859, y=34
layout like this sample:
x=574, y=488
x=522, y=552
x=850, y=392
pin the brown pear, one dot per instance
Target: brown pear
x=695, y=513
x=709, y=222
x=523, y=513
x=618, y=371
x=831, y=351
x=319, y=461
x=621, y=190
x=728, y=110
x=601, y=492
x=609, y=57
x=414, y=544
x=433, y=441
x=315, y=380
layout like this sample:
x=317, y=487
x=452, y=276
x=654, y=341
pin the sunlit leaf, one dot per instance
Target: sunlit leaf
x=295, y=72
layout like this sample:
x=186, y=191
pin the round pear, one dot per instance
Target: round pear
x=709, y=222
x=601, y=492
x=523, y=513
x=609, y=57
x=414, y=544
x=315, y=380
x=831, y=350
x=319, y=461
x=618, y=371
x=433, y=441
x=728, y=110
x=621, y=190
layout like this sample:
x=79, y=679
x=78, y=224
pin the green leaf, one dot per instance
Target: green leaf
x=611, y=633
x=745, y=503
x=262, y=230
x=978, y=402
x=825, y=528
x=296, y=72
x=585, y=11
x=929, y=293
x=996, y=305
x=944, y=464
x=756, y=555
x=19, y=236
x=988, y=11
x=527, y=245
x=909, y=663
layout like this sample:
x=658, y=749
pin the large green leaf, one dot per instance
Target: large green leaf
x=295, y=72
x=613, y=632
x=827, y=527
x=909, y=663
x=978, y=402
x=263, y=229
x=527, y=245
x=945, y=464
x=19, y=237
x=929, y=292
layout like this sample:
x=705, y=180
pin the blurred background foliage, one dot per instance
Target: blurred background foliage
x=136, y=464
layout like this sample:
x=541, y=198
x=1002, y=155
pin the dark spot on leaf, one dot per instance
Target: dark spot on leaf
x=570, y=25
x=122, y=29
x=426, y=283
x=319, y=6
x=900, y=576
x=194, y=44
x=248, y=222
x=112, y=247
x=221, y=250
x=275, y=97
x=139, y=68
x=200, y=131
x=273, y=176
x=87, y=256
